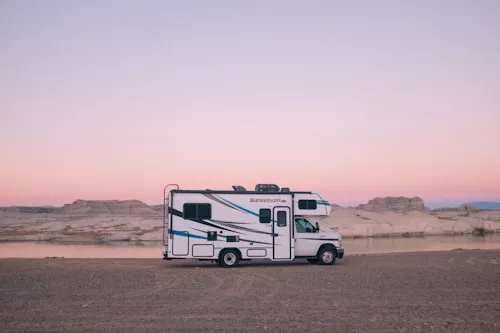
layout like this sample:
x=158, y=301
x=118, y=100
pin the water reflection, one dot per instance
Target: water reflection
x=72, y=250
x=155, y=249
x=428, y=243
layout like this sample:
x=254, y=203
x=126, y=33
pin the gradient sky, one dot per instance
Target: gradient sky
x=354, y=99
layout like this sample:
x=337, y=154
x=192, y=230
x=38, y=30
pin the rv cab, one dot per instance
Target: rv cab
x=309, y=238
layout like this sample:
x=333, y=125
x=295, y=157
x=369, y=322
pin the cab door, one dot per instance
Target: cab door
x=282, y=233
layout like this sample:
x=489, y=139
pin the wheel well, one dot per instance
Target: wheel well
x=238, y=252
x=327, y=245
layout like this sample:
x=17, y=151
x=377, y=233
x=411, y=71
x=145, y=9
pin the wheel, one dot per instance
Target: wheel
x=313, y=261
x=327, y=256
x=229, y=258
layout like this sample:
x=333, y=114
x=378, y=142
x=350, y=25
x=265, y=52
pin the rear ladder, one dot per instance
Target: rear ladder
x=166, y=221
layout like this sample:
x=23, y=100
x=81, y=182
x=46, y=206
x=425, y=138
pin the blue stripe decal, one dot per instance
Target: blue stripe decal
x=184, y=234
x=326, y=203
x=243, y=209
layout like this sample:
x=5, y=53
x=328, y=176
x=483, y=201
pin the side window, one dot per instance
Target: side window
x=265, y=215
x=205, y=211
x=281, y=219
x=308, y=204
x=189, y=211
x=198, y=211
x=303, y=225
x=299, y=225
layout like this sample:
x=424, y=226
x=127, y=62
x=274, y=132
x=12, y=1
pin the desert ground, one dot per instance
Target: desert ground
x=453, y=291
x=135, y=221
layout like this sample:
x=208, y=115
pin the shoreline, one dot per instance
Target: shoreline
x=154, y=249
x=270, y=262
x=97, y=240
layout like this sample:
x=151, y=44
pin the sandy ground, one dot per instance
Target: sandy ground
x=455, y=291
x=149, y=227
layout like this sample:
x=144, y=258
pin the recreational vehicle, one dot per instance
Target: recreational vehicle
x=227, y=226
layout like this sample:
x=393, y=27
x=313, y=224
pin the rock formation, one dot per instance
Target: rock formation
x=157, y=208
x=394, y=204
x=120, y=207
x=28, y=209
x=468, y=208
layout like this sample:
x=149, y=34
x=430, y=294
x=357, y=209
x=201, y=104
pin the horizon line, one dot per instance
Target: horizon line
x=433, y=204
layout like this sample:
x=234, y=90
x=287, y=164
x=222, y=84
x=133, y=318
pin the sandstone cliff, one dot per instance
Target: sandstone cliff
x=29, y=209
x=394, y=204
x=134, y=207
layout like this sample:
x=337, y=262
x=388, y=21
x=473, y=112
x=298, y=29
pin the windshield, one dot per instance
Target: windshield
x=303, y=225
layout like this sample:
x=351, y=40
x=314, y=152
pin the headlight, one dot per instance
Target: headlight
x=340, y=241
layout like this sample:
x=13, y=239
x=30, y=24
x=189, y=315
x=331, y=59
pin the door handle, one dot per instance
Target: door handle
x=275, y=235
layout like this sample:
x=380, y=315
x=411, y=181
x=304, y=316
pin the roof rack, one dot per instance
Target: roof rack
x=267, y=188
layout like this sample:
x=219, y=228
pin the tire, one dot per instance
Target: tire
x=327, y=256
x=313, y=261
x=229, y=258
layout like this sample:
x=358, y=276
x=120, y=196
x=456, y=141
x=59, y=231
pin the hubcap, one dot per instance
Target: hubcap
x=327, y=256
x=229, y=258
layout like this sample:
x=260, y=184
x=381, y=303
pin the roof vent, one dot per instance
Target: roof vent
x=285, y=189
x=239, y=188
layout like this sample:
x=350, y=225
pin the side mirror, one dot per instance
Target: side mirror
x=317, y=226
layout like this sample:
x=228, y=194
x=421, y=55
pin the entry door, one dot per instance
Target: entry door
x=282, y=234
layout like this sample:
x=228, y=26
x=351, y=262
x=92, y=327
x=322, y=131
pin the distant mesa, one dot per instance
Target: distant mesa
x=336, y=206
x=28, y=209
x=91, y=207
x=134, y=207
x=469, y=208
x=394, y=204
x=156, y=208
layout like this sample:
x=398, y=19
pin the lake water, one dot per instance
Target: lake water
x=155, y=249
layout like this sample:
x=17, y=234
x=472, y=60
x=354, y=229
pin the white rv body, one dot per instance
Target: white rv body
x=207, y=224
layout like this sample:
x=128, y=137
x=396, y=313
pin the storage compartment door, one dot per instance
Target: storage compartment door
x=180, y=243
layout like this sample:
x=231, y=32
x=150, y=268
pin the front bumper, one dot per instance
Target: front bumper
x=340, y=253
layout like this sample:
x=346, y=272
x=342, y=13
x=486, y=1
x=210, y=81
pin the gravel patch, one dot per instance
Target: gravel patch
x=454, y=291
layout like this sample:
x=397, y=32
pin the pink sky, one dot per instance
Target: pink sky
x=115, y=100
